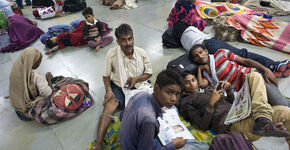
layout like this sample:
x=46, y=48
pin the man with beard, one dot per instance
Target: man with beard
x=130, y=68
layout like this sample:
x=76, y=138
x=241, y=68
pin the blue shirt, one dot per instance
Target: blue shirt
x=139, y=125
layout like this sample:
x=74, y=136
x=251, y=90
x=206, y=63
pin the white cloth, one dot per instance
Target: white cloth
x=131, y=4
x=111, y=68
x=213, y=80
x=5, y=6
x=41, y=84
x=123, y=75
x=141, y=86
x=192, y=36
x=90, y=24
x=4, y=3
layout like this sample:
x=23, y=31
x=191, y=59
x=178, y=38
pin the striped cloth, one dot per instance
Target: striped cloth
x=227, y=69
x=262, y=31
x=112, y=141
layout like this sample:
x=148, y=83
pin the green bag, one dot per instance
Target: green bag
x=3, y=21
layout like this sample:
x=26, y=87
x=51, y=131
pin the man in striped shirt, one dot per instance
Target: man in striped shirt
x=225, y=65
x=233, y=68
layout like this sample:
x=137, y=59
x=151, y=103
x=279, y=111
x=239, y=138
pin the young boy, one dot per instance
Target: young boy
x=140, y=127
x=93, y=31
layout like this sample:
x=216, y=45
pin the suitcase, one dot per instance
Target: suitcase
x=182, y=63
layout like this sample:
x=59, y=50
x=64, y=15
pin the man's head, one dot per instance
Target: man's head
x=199, y=54
x=168, y=87
x=88, y=14
x=125, y=38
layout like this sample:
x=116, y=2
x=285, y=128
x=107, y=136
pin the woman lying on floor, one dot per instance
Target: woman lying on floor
x=19, y=38
x=46, y=99
x=207, y=108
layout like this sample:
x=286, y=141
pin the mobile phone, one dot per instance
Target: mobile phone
x=219, y=87
x=127, y=85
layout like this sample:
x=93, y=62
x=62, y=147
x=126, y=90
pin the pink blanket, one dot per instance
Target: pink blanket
x=263, y=32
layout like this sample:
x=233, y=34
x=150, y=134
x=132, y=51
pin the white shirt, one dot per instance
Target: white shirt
x=130, y=65
x=192, y=36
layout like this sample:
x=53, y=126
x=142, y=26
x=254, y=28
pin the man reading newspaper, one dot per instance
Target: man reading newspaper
x=224, y=65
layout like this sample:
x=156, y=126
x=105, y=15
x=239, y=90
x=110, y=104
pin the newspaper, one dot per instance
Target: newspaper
x=241, y=107
x=172, y=127
x=129, y=93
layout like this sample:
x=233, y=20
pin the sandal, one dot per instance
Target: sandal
x=265, y=127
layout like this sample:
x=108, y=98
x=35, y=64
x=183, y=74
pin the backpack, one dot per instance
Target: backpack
x=170, y=39
x=74, y=5
x=42, y=3
x=69, y=96
x=182, y=63
x=233, y=141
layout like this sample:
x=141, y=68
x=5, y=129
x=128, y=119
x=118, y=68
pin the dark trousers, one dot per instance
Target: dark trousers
x=119, y=95
x=212, y=45
x=19, y=3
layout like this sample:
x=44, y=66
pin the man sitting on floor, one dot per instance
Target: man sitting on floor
x=130, y=67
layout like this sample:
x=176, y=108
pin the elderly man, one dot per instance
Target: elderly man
x=126, y=67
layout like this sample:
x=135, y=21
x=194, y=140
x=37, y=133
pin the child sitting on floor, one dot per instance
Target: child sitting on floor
x=93, y=31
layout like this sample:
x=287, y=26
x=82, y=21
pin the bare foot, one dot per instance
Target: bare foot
x=101, y=2
x=279, y=126
x=97, y=48
x=97, y=147
x=48, y=52
x=13, y=5
x=34, y=23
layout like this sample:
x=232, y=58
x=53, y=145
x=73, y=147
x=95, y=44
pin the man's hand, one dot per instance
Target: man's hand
x=226, y=85
x=48, y=52
x=132, y=82
x=270, y=77
x=109, y=95
x=178, y=142
x=205, y=68
x=215, y=97
x=48, y=76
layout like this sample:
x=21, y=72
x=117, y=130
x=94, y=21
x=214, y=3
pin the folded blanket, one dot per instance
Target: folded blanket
x=262, y=31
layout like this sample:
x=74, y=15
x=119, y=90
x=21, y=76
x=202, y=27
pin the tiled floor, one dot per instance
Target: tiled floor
x=148, y=23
